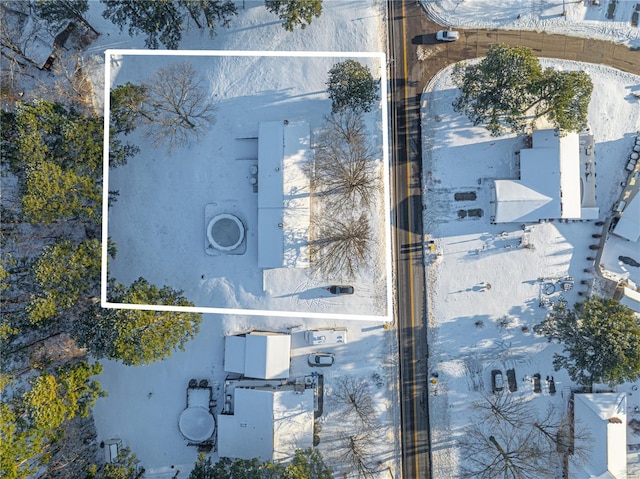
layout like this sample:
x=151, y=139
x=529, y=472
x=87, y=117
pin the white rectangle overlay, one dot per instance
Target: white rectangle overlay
x=105, y=303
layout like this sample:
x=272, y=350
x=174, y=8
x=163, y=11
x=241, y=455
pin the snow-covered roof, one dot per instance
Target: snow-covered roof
x=549, y=184
x=267, y=424
x=628, y=226
x=631, y=299
x=258, y=355
x=605, y=416
x=283, y=194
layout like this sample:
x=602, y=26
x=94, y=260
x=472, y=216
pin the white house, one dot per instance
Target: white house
x=258, y=355
x=549, y=186
x=284, y=158
x=604, y=415
x=628, y=226
x=268, y=423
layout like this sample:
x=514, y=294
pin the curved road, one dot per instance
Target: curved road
x=410, y=32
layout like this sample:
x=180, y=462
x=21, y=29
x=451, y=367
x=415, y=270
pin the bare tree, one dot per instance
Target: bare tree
x=504, y=452
x=18, y=33
x=564, y=435
x=354, y=396
x=357, y=454
x=340, y=245
x=512, y=409
x=179, y=105
x=72, y=85
x=345, y=171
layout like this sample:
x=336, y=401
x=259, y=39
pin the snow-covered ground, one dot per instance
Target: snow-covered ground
x=158, y=223
x=159, y=220
x=582, y=19
x=474, y=327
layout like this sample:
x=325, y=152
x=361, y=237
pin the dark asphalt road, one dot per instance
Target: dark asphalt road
x=411, y=32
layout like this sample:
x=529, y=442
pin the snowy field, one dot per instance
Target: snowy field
x=159, y=220
x=166, y=195
x=582, y=19
x=479, y=328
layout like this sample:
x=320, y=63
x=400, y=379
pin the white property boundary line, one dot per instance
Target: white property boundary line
x=247, y=53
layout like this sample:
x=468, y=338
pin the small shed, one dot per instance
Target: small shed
x=258, y=355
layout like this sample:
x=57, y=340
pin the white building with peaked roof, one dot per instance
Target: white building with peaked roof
x=269, y=424
x=549, y=186
x=628, y=226
x=604, y=415
x=258, y=355
x=284, y=156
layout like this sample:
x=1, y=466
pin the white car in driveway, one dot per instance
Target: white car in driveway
x=320, y=359
x=447, y=36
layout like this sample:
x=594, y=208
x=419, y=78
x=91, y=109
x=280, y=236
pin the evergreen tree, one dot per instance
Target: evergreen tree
x=128, y=108
x=66, y=274
x=508, y=90
x=52, y=194
x=351, y=86
x=58, y=13
x=563, y=97
x=30, y=423
x=497, y=90
x=125, y=467
x=54, y=399
x=600, y=338
x=162, y=21
x=295, y=13
x=308, y=464
x=138, y=337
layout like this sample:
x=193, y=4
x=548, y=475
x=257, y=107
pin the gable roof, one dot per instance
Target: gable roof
x=259, y=355
x=608, y=458
x=628, y=226
x=549, y=184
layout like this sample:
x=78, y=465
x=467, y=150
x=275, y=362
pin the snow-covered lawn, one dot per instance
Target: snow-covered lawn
x=159, y=220
x=474, y=327
x=582, y=19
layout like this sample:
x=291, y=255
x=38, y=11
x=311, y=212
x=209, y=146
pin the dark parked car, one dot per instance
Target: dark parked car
x=537, y=388
x=497, y=381
x=340, y=289
x=511, y=380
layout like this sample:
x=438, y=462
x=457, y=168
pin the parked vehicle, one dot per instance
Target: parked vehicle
x=320, y=359
x=511, y=380
x=340, y=289
x=537, y=388
x=497, y=381
x=447, y=36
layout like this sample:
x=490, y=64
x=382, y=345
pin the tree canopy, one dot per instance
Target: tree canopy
x=173, y=105
x=162, y=21
x=59, y=154
x=306, y=464
x=138, y=337
x=508, y=90
x=600, y=338
x=351, y=86
x=295, y=13
x=30, y=422
x=58, y=13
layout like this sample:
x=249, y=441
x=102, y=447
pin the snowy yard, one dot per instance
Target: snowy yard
x=159, y=220
x=487, y=281
x=606, y=20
